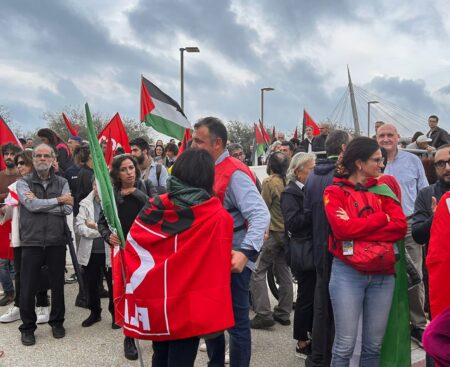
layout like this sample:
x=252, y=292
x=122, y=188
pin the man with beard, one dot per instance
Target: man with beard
x=45, y=201
x=156, y=173
x=7, y=177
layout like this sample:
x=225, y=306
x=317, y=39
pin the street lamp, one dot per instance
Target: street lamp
x=267, y=89
x=368, y=116
x=182, y=49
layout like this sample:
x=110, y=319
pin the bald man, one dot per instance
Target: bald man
x=407, y=168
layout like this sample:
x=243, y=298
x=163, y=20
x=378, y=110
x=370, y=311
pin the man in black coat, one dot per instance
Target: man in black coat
x=437, y=135
x=318, y=142
x=318, y=180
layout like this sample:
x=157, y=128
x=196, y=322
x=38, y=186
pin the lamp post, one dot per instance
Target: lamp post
x=267, y=89
x=182, y=49
x=368, y=116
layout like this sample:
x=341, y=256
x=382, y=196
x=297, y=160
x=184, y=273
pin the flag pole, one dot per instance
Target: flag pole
x=303, y=125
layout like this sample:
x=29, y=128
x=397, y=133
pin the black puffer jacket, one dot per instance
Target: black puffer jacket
x=318, y=180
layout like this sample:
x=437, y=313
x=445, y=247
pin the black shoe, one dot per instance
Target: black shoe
x=129, y=349
x=28, y=338
x=71, y=279
x=304, y=352
x=58, y=332
x=259, y=323
x=7, y=299
x=92, y=319
x=416, y=335
x=114, y=326
x=281, y=321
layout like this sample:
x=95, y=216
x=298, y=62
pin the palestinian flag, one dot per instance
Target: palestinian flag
x=177, y=266
x=161, y=112
x=259, y=145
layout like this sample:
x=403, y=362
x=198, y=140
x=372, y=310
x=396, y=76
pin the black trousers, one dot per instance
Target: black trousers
x=175, y=353
x=33, y=259
x=323, y=322
x=303, y=313
x=41, y=295
x=93, y=276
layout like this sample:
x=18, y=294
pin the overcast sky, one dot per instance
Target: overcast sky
x=60, y=53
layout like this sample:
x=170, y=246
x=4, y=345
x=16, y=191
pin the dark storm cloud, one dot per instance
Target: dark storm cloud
x=406, y=93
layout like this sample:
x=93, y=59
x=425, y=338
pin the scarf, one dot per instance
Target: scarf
x=184, y=195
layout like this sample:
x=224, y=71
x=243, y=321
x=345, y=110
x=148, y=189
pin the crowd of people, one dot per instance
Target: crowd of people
x=329, y=216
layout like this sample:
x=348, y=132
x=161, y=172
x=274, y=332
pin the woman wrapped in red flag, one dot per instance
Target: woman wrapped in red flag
x=177, y=264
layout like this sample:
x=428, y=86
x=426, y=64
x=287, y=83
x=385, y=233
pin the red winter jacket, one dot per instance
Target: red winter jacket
x=363, y=225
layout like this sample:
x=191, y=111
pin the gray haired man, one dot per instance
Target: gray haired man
x=45, y=200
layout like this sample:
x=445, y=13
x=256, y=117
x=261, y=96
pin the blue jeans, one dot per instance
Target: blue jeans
x=352, y=293
x=240, y=335
x=7, y=275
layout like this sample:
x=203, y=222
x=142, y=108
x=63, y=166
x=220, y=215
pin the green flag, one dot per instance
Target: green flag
x=396, y=348
x=104, y=185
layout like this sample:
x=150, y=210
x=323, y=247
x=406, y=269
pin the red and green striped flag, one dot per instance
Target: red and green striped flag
x=104, y=185
x=161, y=112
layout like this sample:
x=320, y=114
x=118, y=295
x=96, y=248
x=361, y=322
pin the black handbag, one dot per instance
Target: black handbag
x=300, y=254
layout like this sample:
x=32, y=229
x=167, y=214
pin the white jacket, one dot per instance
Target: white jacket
x=12, y=213
x=87, y=234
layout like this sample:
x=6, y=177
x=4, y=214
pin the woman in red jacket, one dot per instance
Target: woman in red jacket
x=365, y=219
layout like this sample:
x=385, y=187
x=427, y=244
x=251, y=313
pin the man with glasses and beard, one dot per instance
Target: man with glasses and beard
x=45, y=201
x=7, y=177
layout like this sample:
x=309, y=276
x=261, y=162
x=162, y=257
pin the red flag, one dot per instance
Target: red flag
x=296, y=133
x=274, y=135
x=259, y=136
x=438, y=258
x=172, y=268
x=186, y=137
x=264, y=133
x=115, y=135
x=6, y=136
x=308, y=121
x=72, y=130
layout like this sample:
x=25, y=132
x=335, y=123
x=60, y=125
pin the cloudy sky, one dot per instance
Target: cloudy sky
x=63, y=53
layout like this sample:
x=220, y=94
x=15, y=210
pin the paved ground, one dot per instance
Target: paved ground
x=99, y=345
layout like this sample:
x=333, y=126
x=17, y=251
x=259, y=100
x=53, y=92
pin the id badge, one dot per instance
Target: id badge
x=347, y=248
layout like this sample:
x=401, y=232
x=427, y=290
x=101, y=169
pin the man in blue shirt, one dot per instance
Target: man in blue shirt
x=407, y=168
x=251, y=219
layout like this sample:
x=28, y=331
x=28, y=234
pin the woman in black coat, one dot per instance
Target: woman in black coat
x=298, y=225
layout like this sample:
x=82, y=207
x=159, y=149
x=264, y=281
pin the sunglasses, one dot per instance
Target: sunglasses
x=20, y=163
x=441, y=164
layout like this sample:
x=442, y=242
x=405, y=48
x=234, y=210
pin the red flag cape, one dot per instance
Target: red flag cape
x=6, y=136
x=72, y=130
x=438, y=258
x=114, y=133
x=6, y=251
x=186, y=137
x=177, y=268
x=308, y=121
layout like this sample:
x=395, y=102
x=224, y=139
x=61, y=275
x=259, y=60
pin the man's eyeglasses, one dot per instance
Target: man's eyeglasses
x=237, y=155
x=46, y=156
x=20, y=163
x=441, y=164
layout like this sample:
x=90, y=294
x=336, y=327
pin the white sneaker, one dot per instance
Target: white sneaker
x=202, y=347
x=43, y=314
x=13, y=314
x=227, y=355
